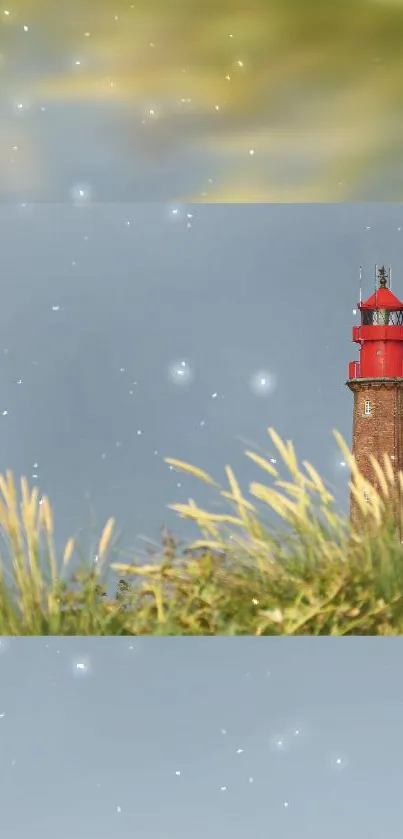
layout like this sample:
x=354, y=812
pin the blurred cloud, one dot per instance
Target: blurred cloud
x=294, y=100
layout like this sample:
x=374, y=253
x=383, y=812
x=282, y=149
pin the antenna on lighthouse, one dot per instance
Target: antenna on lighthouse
x=375, y=276
x=360, y=284
x=390, y=277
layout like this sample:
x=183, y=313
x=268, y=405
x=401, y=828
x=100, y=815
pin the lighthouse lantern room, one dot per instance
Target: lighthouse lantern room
x=380, y=335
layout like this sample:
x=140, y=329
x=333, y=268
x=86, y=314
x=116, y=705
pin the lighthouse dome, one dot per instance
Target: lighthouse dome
x=382, y=298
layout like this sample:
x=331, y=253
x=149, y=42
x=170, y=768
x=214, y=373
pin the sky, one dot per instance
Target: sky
x=135, y=325
x=135, y=332
x=220, y=101
x=171, y=738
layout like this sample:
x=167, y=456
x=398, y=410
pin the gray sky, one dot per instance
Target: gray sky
x=229, y=738
x=102, y=303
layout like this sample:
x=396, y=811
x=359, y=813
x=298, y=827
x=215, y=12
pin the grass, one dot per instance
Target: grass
x=320, y=576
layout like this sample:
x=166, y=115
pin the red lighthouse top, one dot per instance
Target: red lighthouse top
x=382, y=298
x=380, y=335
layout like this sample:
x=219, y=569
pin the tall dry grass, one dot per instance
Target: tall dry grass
x=319, y=576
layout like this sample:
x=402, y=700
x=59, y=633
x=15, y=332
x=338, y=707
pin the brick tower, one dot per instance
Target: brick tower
x=376, y=381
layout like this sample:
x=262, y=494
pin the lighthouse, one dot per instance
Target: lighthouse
x=376, y=381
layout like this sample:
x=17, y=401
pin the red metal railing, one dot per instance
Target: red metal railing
x=354, y=370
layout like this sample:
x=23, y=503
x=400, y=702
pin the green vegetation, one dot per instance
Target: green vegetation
x=320, y=577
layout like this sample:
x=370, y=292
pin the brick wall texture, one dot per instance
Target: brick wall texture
x=380, y=432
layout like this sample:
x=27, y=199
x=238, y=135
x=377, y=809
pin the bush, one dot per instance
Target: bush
x=320, y=576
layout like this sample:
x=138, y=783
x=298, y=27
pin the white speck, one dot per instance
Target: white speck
x=239, y=751
x=399, y=229
x=2, y=715
x=223, y=789
x=118, y=809
x=81, y=667
x=251, y=152
x=338, y=762
x=368, y=227
x=25, y=28
x=202, y=422
x=55, y=308
x=214, y=395
x=19, y=381
x=296, y=732
x=5, y=413
x=286, y=803
x=139, y=432
x=223, y=731
x=180, y=373
x=81, y=194
x=178, y=772
x=103, y=455
x=262, y=383
x=250, y=780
